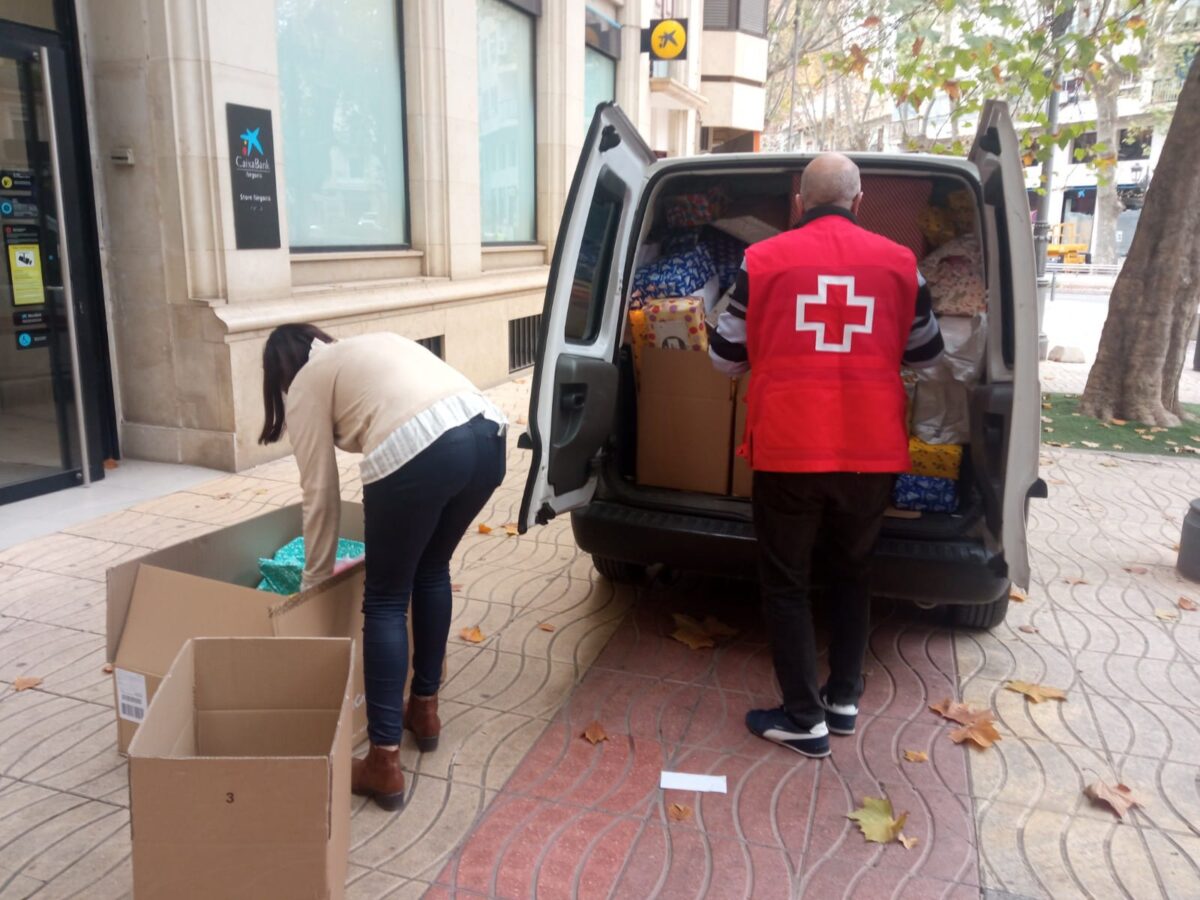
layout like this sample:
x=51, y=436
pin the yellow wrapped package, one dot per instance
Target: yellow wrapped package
x=676, y=323
x=935, y=460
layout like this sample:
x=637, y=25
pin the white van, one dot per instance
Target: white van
x=583, y=430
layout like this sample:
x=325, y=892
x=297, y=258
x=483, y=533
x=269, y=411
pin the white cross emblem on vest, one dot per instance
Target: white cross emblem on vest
x=809, y=309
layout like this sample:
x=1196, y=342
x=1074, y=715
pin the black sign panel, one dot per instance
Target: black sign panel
x=252, y=167
x=27, y=318
x=32, y=338
x=17, y=180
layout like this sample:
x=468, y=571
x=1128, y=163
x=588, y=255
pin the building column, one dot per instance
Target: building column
x=442, y=121
x=633, y=69
x=560, y=46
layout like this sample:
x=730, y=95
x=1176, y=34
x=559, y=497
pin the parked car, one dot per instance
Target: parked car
x=583, y=427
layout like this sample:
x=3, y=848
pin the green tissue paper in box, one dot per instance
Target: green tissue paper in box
x=282, y=573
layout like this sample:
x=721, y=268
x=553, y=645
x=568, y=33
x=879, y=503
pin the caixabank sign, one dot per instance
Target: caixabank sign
x=252, y=171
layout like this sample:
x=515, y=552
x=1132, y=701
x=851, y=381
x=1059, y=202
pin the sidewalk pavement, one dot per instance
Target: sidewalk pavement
x=516, y=803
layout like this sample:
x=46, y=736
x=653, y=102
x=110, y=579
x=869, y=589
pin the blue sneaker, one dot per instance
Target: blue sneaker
x=841, y=717
x=777, y=726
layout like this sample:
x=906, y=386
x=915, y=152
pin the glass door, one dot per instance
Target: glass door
x=44, y=433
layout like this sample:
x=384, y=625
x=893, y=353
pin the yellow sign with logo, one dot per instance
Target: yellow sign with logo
x=666, y=39
x=25, y=270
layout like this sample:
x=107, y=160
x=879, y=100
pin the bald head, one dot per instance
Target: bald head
x=829, y=180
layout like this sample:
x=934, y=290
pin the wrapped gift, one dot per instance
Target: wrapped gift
x=678, y=242
x=726, y=253
x=676, y=324
x=677, y=275
x=694, y=209
x=925, y=494
x=954, y=272
x=639, y=336
x=935, y=460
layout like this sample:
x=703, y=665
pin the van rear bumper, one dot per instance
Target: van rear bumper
x=924, y=571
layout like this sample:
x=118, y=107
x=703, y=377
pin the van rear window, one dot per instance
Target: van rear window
x=590, y=285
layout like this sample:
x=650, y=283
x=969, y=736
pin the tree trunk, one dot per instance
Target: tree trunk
x=1153, y=303
x=1108, y=204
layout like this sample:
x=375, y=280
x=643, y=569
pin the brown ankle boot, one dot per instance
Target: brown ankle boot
x=378, y=775
x=421, y=718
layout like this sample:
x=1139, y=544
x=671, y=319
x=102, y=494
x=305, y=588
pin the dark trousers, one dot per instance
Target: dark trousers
x=415, y=518
x=791, y=511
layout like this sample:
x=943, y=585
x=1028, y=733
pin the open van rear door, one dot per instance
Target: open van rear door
x=574, y=397
x=996, y=153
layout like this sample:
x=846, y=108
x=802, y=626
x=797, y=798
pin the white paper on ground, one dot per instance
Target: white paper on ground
x=685, y=781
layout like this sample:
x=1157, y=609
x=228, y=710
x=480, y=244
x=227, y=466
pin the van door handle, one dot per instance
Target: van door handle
x=572, y=397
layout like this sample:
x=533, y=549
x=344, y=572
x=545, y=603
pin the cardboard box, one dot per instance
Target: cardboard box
x=685, y=421
x=205, y=587
x=741, y=477
x=239, y=777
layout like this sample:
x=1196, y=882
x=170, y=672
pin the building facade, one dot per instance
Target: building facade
x=361, y=164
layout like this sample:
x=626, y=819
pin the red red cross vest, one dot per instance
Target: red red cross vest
x=830, y=309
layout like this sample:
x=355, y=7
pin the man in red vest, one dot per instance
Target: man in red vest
x=824, y=315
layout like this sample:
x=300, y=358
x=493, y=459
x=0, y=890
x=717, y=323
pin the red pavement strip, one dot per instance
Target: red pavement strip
x=588, y=821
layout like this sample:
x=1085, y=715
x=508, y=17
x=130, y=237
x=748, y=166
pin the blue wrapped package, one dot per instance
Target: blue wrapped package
x=678, y=275
x=726, y=253
x=925, y=493
x=282, y=573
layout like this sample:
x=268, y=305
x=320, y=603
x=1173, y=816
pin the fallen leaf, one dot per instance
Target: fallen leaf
x=1173, y=443
x=1104, y=425
x=1036, y=692
x=1028, y=629
x=111, y=464
x=1050, y=430
x=1055, y=481
x=108, y=668
x=472, y=634
x=25, y=682
x=511, y=529
x=1188, y=604
x=1075, y=580
x=1146, y=437
x=1118, y=421
x=595, y=733
x=978, y=724
x=908, y=842
x=1047, y=420
x=1118, y=796
x=677, y=812
x=1140, y=430
x=981, y=734
x=716, y=628
x=915, y=756
x=1167, y=615
x=1047, y=406
x=689, y=631
x=485, y=529
x=455, y=588
x=1157, y=429
x=521, y=420
x=875, y=820
x=1017, y=595
x=546, y=626
x=1092, y=444
x=1136, y=570
x=1175, y=547
x=224, y=496
x=1111, y=463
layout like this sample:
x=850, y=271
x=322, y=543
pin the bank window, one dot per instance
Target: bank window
x=507, y=124
x=749, y=16
x=590, y=285
x=603, y=37
x=341, y=87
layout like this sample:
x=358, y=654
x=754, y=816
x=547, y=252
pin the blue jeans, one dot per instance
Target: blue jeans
x=415, y=518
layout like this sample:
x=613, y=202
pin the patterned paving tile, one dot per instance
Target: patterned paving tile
x=516, y=803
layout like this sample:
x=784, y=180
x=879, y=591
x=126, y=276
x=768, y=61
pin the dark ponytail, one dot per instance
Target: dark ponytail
x=285, y=352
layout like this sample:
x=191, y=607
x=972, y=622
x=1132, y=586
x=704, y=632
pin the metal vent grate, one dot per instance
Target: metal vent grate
x=435, y=345
x=523, y=342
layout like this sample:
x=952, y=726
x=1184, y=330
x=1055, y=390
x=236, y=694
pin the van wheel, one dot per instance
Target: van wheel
x=617, y=570
x=981, y=615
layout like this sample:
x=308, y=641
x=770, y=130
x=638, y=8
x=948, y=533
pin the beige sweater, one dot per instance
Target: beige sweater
x=352, y=395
